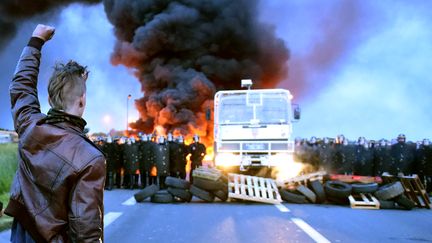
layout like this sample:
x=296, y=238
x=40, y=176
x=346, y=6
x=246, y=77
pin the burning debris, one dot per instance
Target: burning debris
x=183, y=51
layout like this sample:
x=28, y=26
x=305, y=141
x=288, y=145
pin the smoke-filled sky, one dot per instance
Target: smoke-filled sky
x=360, y=68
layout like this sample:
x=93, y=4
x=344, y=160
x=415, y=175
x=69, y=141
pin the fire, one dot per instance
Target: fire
x=289, y=168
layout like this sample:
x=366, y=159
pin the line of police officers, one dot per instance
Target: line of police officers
x=367, y=158
x=150, y=158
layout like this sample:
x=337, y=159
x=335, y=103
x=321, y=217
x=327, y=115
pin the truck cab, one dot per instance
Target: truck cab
x=253, y=128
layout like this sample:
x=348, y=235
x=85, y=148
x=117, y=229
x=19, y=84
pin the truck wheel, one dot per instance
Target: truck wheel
x=202, y=194
x=318, y=188
x=162, y=196
x=364, y=187
x=177, y=183
x=292, y=197
x=404, y=202
x=180, y=193
x=390, y=191
x=309, y=194
x=337, y=189
x=208, y=184
x=146, y=192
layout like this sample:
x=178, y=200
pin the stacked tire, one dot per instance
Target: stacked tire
x=177, y=191
x=338, y=191
x=312, y=193
x=392, y=195
x=207, y=189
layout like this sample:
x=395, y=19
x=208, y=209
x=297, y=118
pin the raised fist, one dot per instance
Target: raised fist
x=44, y=32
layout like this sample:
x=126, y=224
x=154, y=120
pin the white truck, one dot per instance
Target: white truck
x=252, y=128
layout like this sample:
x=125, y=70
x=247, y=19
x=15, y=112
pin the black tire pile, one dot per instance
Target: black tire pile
x=180, y=190
x=337, y=192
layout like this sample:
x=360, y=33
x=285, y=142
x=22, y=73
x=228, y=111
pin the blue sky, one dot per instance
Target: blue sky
x=361, y=68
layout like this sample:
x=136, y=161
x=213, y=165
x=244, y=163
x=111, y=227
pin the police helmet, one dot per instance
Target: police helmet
x=196, y=138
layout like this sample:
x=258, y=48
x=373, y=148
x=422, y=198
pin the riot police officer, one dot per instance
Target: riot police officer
x=131, y=162
x=363, y=163
x=424, y=164
x=161, y=153
x=173, y=147
x=145, y=159
x=403, y=156
x=345, y=157
x=118, y=160
x=109, y=150
x=382, y=158
x=312, y=157
x=326, y=154
x=197, y=151
x=180, y=158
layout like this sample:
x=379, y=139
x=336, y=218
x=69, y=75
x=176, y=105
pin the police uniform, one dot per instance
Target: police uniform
x=363, y=164
x=326, y=156
x=403, y=158
x=382, y=160
x=109, y=151
x=161, y=152
x=118, y=162
x=131, y=162
x=146, y=162
x=424, y=165
x=344, y=159
x=197, y=151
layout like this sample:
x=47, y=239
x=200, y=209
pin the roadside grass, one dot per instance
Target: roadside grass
x=8, y=166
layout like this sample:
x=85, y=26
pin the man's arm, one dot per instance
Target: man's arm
x=23, y=88
x=86, y=204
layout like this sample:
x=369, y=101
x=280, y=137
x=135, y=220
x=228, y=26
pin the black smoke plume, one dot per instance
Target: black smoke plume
x=13, y=12
x=184, y=51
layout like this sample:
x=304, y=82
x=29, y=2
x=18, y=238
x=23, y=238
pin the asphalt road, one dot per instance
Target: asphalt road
x=128, y=221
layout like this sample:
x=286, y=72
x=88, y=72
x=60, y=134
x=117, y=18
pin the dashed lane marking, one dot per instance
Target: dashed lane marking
x=130, y=202
x=111, y=217
x=282, y=208
x=317, y=237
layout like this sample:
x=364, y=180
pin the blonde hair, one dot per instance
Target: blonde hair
x=67, y=84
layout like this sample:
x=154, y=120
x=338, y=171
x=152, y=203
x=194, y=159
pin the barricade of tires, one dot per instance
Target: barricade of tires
x=180, y=190
x=390, y=196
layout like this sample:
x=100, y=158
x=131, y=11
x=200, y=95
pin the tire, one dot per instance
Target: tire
x=404, y=202
x=364, y=187
x=292, y=197
x=387, y=204
x=389, y=191
x=208, y=185
x=202, y=194
x=180, y=193
x=177, y=183
x=146, y=192
x=337, y=189
x=221, y=194
x=308, y=193
x=318, y=188
x=162, y=196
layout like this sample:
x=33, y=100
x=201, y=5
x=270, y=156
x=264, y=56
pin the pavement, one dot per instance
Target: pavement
x=128, y=221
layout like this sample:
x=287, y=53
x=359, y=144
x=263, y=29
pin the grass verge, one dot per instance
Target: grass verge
x=8, y=165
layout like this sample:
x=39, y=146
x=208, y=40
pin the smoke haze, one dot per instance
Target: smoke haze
x=184, y=51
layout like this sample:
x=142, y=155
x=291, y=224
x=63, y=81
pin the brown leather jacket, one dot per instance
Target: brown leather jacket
x=57, y=192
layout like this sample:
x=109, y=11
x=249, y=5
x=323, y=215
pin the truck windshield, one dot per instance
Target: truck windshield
x=262, y=108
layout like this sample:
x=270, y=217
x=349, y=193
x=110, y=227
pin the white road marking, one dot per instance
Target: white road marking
x=317, y=237
x=111, y=217
x=130, y=202
x=282, y=208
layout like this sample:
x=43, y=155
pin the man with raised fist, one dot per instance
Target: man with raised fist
x=57, y=192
